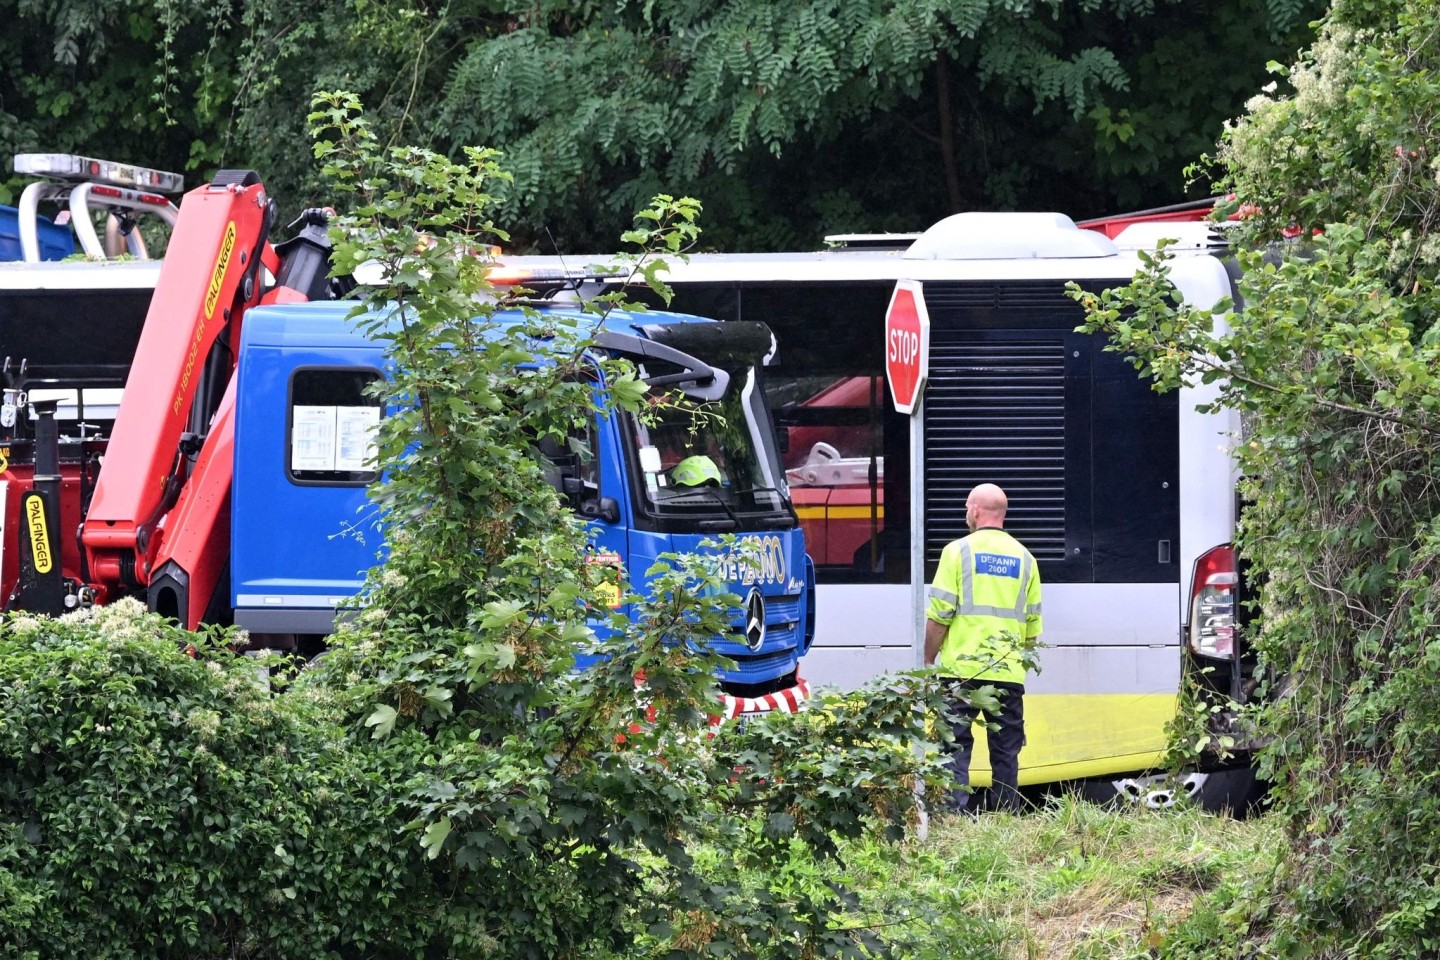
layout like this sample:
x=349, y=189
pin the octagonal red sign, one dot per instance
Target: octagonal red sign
x=907, y=345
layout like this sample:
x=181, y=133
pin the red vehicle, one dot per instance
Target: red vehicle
x=836, y=472
x=1189, y=212
x=157, y=520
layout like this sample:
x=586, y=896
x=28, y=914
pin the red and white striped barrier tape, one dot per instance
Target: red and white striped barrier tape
x=786, y=701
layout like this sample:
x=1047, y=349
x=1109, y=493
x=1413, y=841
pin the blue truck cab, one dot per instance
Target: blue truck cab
x=304, y=533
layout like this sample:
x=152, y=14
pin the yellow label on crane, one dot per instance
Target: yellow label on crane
x=222, y=263
x=212, y=298
x=39, y=534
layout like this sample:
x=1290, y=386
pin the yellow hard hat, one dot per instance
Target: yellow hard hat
x=695, y=471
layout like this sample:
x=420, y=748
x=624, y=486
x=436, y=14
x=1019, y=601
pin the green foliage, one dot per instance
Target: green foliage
x=561, y=809
x=1334, y=365
x=1066, y=880
x=797, y=115
x=1202, y=729
x=156, y=804
x=792, y=120
x=114, y=80
x=1371, y=77
x=1338, y=388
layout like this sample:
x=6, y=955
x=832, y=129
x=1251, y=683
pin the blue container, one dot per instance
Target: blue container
x=56, y=242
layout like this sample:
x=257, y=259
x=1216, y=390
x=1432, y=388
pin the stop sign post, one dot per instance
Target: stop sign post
x=907, y=345
x=907, y=362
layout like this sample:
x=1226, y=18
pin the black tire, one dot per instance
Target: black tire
x=1235, y=792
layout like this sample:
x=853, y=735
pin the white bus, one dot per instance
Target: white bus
x=1124, y=495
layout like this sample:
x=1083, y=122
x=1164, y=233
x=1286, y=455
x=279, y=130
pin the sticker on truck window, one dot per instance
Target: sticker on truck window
x=333, y=438
x=333, y=425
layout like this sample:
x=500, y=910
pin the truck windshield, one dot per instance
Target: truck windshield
x=709, y=465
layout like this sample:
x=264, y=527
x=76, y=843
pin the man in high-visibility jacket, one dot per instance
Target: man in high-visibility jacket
x=984, y=608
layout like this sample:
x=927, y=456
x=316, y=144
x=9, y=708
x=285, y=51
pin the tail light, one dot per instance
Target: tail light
x=1212, y=603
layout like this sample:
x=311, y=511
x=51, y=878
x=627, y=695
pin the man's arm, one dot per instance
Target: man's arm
x=1033, y=621
x=934, y=638
x=940, y=607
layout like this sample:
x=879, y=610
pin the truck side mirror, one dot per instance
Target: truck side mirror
x=601, y=508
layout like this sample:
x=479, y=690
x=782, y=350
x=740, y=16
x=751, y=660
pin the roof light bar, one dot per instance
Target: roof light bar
x=502, y=275
x=75, y=168
x=870, y=241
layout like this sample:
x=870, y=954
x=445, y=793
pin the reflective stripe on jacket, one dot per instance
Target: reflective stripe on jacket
x=987, y=590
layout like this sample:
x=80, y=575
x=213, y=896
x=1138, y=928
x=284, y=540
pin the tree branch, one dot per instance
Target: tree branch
x=1233, y=374
x=947, y=130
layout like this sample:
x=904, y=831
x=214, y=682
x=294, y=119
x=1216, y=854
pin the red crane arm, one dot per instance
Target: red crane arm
x=210, y=276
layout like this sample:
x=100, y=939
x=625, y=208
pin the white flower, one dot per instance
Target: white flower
x=24, y=624
x=204, y=722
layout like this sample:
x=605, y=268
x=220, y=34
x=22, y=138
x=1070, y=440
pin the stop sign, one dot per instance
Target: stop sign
x=907, y=345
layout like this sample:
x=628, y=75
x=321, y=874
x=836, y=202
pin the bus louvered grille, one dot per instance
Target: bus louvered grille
x=1050, y=295
x=995, y=413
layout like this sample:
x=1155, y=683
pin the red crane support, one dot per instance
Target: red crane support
x=160, y=513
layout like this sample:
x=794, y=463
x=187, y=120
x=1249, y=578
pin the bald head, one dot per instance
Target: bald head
x=985, y=507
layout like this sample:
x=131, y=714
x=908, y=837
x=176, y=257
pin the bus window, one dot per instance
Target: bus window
x=834, y=458
x=844, y=449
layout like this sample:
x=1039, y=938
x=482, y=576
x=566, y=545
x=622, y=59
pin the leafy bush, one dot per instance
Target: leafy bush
x=1334, y=364
x=160, y=805
x=563, y=810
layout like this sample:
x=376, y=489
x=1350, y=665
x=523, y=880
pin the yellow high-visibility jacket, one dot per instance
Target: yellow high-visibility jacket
x=987, y=590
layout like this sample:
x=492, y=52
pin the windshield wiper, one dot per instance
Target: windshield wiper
x=709, y=498
x=780, y=495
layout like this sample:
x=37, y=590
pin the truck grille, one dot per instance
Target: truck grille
x=775, y=659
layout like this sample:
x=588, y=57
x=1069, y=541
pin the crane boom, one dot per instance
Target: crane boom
x=219, y=264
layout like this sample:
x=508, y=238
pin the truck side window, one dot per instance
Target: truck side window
x=571, y=467
x=330, y=429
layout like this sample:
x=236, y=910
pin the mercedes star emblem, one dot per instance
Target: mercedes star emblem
x=754, y=619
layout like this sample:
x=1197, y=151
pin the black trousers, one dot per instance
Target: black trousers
x=1004, y=743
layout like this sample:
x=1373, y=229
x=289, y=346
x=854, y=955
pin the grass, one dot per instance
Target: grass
x=1071, y=880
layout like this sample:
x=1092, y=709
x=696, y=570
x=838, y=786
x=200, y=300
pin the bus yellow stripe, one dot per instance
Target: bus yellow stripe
x=838, y=513
x=1072, y=736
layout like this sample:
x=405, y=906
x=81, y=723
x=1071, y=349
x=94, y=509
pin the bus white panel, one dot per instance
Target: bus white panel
x=1207, y=470
x=1111, y=614
x=1106, y=670
x=1064, y=670
x=864, y=628
x=849, y=667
